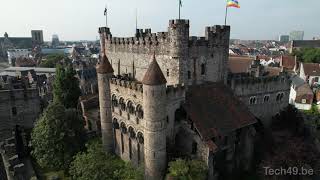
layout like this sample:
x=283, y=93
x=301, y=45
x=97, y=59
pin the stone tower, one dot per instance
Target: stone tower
x=154, y=104
x=179, y=39
x=105, y=72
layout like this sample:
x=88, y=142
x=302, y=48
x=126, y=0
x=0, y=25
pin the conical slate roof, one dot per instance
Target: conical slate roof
x=154, y=75
x=104, y=66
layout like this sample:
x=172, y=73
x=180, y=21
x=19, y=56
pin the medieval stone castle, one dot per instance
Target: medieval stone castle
x=168, y=94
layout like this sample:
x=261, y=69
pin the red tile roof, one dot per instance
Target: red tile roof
x=215, y=110
x=25, y=62
x=288, y=62
x=311, y=69
x=273, y=71
x=304, y=92
x=239, y=64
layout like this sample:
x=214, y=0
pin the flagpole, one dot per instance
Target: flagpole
x=136, y=18
x=106, y=14
x=179, y=8
x=225, y=18
x=106, y=20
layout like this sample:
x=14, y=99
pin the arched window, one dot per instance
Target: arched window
x=189, y=75
x=140, y=138
x=266, y=98
x=203, y=69
x=132, y=134
x=123, y=128
x=139, y=111
x=253, y=100
x=130, y=107
x=115, y=123
x=114, y=101
x=122, y=104
x=280, y=97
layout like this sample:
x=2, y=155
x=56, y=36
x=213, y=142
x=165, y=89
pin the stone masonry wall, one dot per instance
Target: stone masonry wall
x=131, y=91
x=259, y=88
x=26, y=104
x=179, y=56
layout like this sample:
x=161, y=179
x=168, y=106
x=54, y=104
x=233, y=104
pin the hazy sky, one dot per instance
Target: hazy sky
x=80, y=19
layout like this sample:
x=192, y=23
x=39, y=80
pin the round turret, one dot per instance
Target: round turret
x=154, y=105
x=104, y=66
x=179, y=36
x=105, y=71
x=154, y=75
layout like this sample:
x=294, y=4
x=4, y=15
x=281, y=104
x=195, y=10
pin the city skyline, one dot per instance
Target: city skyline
x=80, y=21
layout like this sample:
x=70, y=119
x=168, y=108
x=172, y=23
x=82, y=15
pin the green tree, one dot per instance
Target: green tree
x=187, y=170
x=308, y=55
x=314, y=111
x=197, y=169
x=66, y=87
x=95, y=164
x=57, y=136
x=52, y=60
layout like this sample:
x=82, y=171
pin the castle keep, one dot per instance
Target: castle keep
x=168, y=93
x=182, y=59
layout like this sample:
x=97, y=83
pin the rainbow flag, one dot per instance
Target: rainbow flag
x=233, y=3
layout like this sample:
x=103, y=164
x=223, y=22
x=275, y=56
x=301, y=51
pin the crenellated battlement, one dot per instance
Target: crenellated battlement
x=150, y=39
x=146, y=41
x=177, y=90
x=133, y=85
x=104, y=30
x=198, y=41
x=240, y=83
x=143, y=33
x=175, y=22
x=218, y=34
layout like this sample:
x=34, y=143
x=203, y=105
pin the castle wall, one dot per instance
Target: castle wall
x=137, y=153
x=179, y=56
x=131, y=91
x=175, y=98
x=186, y=138
x=149, y=111
x=26, y=104
x=211, y=51
x=258, y=88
